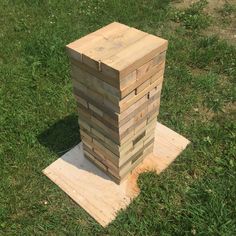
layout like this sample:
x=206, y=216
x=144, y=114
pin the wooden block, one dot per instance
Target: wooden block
x=106, y=48
x=152, y=106
x=134, y=115
x=79, y=87
x=140, y=127
x=137, y=125
x=96, y=125
x=124, y=104
x=130, y=99
x=108, y=104
x=141, y=114
x=100, y=115
x=116, y=50
x=112, y=90
x=86, y=136
x=158, y=71
x=128, y=79
x=131, y=160
x=100, y=118
x=81, y=101
x=125, y=151
x=94, y=83
x=133, y=56
x=132, y=108
x=117, y=74
x=144, y=69
x=84, y=125
x=96, y=103
x=94, y=160
x=128, y=103
x=139, y=138
x=81, y=45
x=87, y=143
x=135, y=108
x=95, y=109
x=106, y=151
x=148, y=139
x=107, y=142
x=98, y=155
x=95, y=148
x=113, y=82
x=141, y=87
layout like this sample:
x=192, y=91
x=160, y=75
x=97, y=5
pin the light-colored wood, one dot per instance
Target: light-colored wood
x=96, y=118
x=133, y=56
x=109, y=46
x=93, y=190
x=118, y=120
x=144, y=69
x=110, y=102
x=117, y=74
x=116, y=51
x=77, y=48
x=127, y=104
x=92, y=82
x=158, y=71
x=112, y=82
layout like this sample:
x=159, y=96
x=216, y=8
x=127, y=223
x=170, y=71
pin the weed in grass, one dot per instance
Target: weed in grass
x=193, y=18
x=210, y=51
x=227, y=10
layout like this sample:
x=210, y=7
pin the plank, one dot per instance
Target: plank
x=109, y=46
x=157, y=70
x=117, y=54
x=113, y=82
x=145, y=68
x=125, y=105
x=115, y=120
x=77, y=48
x=108, y=102
x=94, y=191
x=133, y=56
x=92, y=82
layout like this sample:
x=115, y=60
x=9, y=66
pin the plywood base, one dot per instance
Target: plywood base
x=95, y=191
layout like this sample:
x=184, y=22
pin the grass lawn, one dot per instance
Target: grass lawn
x=38, y=119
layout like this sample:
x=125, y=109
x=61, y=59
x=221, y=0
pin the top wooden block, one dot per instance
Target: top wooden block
x=116, y=50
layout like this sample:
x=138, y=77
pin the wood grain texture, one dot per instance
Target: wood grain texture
x=133, y=56
x=93, y=190
x=115, y=51
x=117, y=77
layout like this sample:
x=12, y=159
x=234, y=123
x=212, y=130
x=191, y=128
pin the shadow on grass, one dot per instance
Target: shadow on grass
x=61, y=136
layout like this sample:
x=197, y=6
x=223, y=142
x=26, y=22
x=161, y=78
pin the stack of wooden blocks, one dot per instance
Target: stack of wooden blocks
x=117, y=75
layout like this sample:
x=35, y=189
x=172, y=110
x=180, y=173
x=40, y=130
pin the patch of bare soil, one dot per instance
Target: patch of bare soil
x=223, y=25
x=205, y=113
x=230, y=108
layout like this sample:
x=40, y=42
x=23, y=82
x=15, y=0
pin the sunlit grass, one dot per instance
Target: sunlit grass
x=38, y=120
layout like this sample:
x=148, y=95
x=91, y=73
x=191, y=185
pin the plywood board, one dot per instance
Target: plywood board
x=95, y=191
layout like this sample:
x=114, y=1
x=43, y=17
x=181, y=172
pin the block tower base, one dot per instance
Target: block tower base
x=93, y=190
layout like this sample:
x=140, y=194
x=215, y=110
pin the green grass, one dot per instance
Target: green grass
x=38, y=120
x=193, y=17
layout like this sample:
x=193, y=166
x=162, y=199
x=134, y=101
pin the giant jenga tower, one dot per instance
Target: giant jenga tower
x=117, y=74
